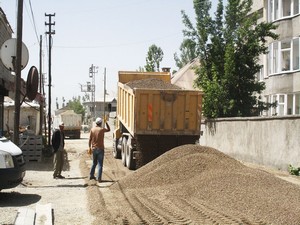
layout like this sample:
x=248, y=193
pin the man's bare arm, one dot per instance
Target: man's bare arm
x=108, y=128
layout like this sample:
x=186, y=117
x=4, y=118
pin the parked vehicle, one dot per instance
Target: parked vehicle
x=72, y=121
x=153, y=116
x=12, y=164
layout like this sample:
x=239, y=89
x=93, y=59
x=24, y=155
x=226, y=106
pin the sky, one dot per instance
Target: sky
x=112, y=35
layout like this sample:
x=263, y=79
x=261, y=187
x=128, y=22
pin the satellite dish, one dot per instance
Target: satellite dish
x=32, y=83
x=8, y=53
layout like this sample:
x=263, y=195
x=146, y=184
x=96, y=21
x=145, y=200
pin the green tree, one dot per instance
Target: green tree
x=75, y=104
x=141, y=69
x=229, y=47
x=154, y=58
x=188, y=53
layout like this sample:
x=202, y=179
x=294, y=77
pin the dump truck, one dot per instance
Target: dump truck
x=72, y=123
x=153, y=116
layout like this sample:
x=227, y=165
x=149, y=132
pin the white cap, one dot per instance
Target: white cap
x=61, y=124
x=98, y=120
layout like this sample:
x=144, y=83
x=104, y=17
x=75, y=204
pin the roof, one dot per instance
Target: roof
x=4, y=18
x=186, y=76
x=8, y=102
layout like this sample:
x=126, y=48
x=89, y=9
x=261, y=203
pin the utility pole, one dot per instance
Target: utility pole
x=41, y=90
x=104, y=93
x=49, y=32
x=92, y=73
x=17, y=69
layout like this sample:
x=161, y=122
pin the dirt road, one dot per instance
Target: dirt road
x=154, y=194
x=69, y=197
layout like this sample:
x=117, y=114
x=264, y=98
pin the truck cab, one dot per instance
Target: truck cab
x=12, y=164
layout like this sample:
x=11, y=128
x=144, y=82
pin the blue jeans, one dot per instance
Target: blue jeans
x=98, y=156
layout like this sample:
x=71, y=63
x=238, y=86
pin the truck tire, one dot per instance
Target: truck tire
x=116, y=152
x=123, y=151
x=130, y=163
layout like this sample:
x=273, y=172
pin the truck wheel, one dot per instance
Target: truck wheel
x=129, y=158
x=116, y=152
x=123, y=151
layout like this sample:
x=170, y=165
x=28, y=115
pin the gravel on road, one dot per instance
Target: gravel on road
x=189, y=184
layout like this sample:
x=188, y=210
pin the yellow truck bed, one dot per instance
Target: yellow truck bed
x=148, y=111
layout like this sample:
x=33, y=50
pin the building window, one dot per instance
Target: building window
x=297, y=104
x=280, y=105
x=260, y=74
x=273, y=10
x=273, y=111
x=265, y=112
x=287, y=104
x=284, y=56
x=286, y=8
x=273, y=58
x=290, y=103
x=279, y=9
x=296, y=54
x=296, y=7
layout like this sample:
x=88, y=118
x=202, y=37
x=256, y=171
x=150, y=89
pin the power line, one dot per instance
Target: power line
x=122, y=44
x=33, y=21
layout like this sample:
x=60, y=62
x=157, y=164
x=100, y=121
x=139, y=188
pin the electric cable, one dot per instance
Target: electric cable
x=33, y=20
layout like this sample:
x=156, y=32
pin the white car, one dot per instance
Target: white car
x=12, y=164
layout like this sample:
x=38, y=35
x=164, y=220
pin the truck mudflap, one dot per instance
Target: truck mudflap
x=149, y=147
x=74, y=134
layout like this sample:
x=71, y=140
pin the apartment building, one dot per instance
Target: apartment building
x=281, y=66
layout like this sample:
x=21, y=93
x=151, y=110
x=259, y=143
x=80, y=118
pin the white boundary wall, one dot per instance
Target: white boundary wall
x=270, y=141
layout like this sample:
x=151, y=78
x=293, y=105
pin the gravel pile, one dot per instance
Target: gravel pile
x=151, y=83
x=204, y=174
